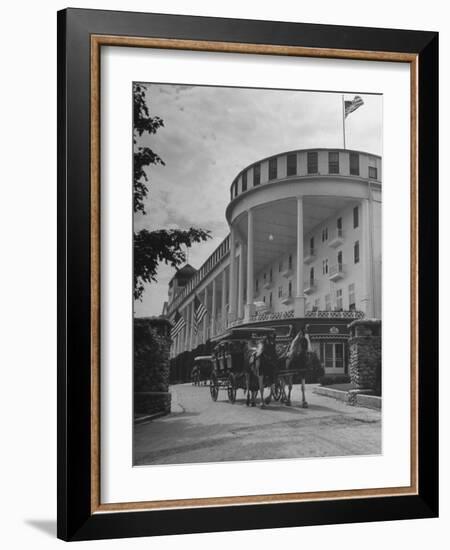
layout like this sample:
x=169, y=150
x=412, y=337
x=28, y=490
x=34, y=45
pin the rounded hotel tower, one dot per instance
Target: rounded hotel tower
x=305, y=228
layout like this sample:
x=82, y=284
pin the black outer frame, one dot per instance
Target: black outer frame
x=75, y=521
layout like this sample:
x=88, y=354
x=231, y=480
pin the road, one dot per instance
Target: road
x=200, y=430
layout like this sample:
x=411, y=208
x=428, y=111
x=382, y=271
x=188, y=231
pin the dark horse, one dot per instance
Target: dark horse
x=261, y=370
x=296, y=358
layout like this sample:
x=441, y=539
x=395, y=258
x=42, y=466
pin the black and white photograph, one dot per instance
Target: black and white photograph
x=257, y=262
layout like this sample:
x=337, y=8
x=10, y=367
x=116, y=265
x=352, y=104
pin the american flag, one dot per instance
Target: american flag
x=199, y=313
x=178, y=325
x=352, y=105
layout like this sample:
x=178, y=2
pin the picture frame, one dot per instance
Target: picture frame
x=81, y=35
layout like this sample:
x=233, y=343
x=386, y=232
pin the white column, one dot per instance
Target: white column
x=186, y=334
x=191, y=324
x=366, y=261
x=241, y=282
x=299, y=308
x=232, y=281
x=224, y=300
x=205, y=318
x=213, y=308
x=249, y=307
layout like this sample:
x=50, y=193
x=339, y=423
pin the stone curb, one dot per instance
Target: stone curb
x=328, y=392
x=352, y=397
x=150, y=417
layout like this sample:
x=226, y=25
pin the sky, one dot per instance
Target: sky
x=211, y=133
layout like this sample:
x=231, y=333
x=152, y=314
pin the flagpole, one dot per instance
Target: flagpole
x=343, y=118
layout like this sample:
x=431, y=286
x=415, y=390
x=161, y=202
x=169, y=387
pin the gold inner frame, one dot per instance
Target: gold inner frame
x=97, y=41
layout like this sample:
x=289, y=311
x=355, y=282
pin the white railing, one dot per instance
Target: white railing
x=279, y=315
x=351, y=314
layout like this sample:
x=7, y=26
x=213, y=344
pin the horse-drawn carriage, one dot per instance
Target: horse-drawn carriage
x=230, y=365
x=201, y=371
x=253, y=359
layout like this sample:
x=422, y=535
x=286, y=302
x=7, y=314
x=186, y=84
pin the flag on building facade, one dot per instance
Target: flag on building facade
x=199, y=313
x=178, y=325
x=352, y=105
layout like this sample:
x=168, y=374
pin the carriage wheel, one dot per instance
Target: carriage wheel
x=231, y=389
x=214, y=388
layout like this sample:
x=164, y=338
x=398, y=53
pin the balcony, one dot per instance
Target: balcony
x=336, y=272
x=337, y=238
x=287, y=273
x=310, y=256
x=286, y=299
x=310, y=287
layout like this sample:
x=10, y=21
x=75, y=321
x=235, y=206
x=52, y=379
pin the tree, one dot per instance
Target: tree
x=153, y=247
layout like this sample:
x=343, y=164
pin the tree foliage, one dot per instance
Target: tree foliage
x=153, y=247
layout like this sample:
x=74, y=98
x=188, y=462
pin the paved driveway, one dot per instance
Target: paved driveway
x=200, y=430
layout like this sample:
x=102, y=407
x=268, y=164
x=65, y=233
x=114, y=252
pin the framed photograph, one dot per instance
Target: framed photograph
x=247, y=242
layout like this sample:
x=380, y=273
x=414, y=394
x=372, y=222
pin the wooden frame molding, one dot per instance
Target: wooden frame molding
x=97, y=41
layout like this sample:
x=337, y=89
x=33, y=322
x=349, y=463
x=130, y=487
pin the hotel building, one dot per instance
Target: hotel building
x=304, y=248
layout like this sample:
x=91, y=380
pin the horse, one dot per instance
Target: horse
x=261, y=365
x=296, y=358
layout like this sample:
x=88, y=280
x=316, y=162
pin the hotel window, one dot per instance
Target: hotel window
x=280, y=291
x=311, y=245
x=333, y=162
x=256, y=285
x=270, y=275
x=354, y=164
x=311, y=276
x=339, y=260
x=256, y=175
x=355, y=217
x=351, y=297
x=291, y=169
x=325, y=267
x=312, y=162
x=270, y=299
x=265, y=274
x=356, y=252
x=244, y=181
x=327, y=302
x=373, y=173
x=290, y=289
x=280, y=267
x=324, y=234
x=339, y=299
x=290, y=261
x=273, y=169
x=316, y=304
x=264, y=298
x=339, y=227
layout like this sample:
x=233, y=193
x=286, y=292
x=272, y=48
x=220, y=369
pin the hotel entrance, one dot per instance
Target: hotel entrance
x=332, y=355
